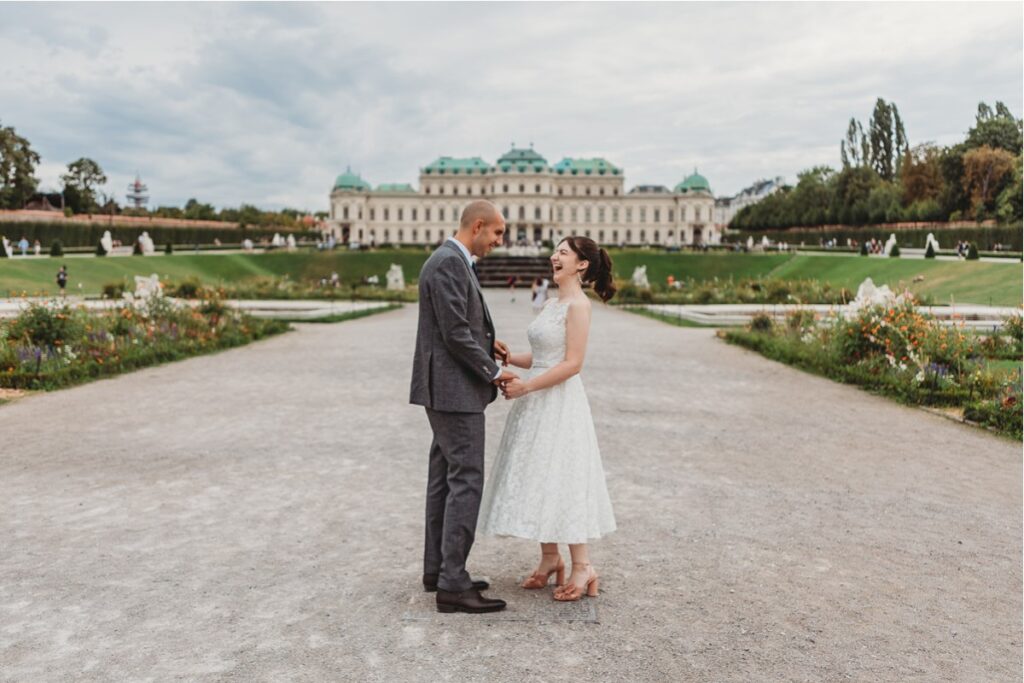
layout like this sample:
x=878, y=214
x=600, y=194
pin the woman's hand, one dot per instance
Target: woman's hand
x=515, y=388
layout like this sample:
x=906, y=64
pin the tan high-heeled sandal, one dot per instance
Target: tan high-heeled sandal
x=540, y=579
x=570, y=592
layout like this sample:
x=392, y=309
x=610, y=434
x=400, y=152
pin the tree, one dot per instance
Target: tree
x=849, y=200
x=999, y=129
x=1008, y=203
x=812, y=196
x=985, y=169
x=81, y=181
x=921, y=173
x=853, y=150
x=17, y=165
x=199, y=212
x=888, y=139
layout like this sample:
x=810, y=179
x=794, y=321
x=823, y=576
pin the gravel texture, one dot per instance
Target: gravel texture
x=256, y=515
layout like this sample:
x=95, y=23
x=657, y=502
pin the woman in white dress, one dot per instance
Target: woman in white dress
x=547, y=482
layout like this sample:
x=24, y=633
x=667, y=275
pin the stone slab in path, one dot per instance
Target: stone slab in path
x=256, y=515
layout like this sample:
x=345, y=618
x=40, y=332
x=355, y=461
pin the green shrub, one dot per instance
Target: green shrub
x=863, y=248
x=895, y=253
x=113, y=290
x=137, y=249
x=47, y=326
x=972, y=252
x=168, y=248
x=1013, y=326
x=761, y=322
x=100, y=251
x=56, y=249
x=929, y=251
x=189, y=288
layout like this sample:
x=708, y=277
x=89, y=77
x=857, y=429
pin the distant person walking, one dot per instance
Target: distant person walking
x=539, y=293
x=38, y=248
x=23, y=245
x=62, y=279
x=512, y=288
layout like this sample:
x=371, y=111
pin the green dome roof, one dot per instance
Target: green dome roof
x=694, y=183
x=522, y=160
x=595, y=166
x=455, y=166
x=350, y=181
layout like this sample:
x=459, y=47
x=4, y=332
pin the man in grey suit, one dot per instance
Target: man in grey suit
x=455, y=376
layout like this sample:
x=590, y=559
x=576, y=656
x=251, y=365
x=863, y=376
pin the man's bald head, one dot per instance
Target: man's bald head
x=480, y=210
x=481, y=228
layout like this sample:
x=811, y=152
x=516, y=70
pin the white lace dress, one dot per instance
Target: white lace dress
x=547, y=483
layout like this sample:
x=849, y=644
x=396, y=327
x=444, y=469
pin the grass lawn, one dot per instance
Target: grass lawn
x=967, y=282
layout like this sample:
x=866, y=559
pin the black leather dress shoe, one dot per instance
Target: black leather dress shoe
x=467, y=601
x=430, y=584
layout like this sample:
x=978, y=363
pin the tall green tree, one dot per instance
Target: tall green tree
x=854, y=150
x=888, y=139
x=17, y=167
x=83, y=178
x=998, y=129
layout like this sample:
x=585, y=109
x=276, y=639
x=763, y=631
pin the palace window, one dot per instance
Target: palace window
x=629, y=214
x=400, y=213
x=504, y=188
x=522, y=213
x=426, y=235
x=601, y=191
x=657, y=236
x=400, y=236
x=615, y=191
x=372, y=212
x=615, y=236
x=657, y=215
x=600, y=235
x=522, y=188
x=697, y=213
x=360, y=234
x=536, y=213
x=643, y=214
x=427, y=189
x=386, y=212
x=504, y=212
x=559, y=192
x=387, y=235
x=588, y=191
x=426, y=214
x=440, y=214
x=615, y=214
x=440, y=189
x=344, y=212
x=643, y=235
x=586, y=233
x=560, y=214
x=415, y=235
x=629, y=236
x=414, y=215
x=670, y=215
x=586, y=214
x=572, y=214
x=600, y=214
x=360, y=216
x=536, y=189
x=455, y=190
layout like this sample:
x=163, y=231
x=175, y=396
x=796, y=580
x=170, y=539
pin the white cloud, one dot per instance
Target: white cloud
x=266, y=103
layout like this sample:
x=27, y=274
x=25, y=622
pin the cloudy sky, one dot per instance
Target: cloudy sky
x=266, y=103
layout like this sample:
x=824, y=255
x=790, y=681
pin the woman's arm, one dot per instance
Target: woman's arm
x=577, y=327
x=521, y=360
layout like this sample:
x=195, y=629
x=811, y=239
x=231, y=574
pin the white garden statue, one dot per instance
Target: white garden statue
x=890, y=243
x=869, y=295
x=290, y=242
x=247, y=244
x=146, y=243
x=396, y=278
x=107, y=241
x=277, y=241
x=5, y=244
x=932, y=241
x=750, y=243
x=146, y=287
x=640, y=278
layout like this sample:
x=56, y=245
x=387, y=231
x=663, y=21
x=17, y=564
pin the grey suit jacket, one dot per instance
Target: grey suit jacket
x=453, y=367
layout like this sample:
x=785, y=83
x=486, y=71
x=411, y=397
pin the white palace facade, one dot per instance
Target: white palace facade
x=540, y=202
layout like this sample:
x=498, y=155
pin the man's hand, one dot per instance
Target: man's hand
x=502, y=352
x=505, y=377
x=514, y=388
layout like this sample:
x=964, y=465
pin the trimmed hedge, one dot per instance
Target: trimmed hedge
x=88, y=234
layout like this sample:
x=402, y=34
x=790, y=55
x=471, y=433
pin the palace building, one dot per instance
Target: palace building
x=540, y=202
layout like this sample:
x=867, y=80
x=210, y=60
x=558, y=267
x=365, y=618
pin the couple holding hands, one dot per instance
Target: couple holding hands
x=547, y=482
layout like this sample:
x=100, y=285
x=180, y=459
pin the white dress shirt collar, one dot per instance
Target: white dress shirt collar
x=462, y=248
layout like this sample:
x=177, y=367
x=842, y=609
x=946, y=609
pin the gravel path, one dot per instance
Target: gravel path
x=256, y=515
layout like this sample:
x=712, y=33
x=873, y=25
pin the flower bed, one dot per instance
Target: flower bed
x=287, y=288
x=742, y=291
x=900, y=352
x=51, y=345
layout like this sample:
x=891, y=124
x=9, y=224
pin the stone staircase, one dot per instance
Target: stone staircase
x=494, y=271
